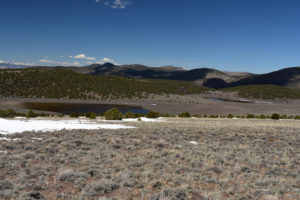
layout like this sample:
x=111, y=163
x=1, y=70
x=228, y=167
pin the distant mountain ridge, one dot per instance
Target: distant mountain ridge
x=166, y=72
x=12, y=66
x=212, y=78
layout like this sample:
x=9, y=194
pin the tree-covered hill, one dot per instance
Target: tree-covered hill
x=265, y=92
x=63, y=83
x=60, y=82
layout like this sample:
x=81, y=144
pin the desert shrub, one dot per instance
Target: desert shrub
x=75, y=114
x=275, y=116
x=297, y=117
x=70, y=175
x=152, y=114
x=250, y=116
x=184, y=114
x=166, y=115
x=44, y=115
x=283, y=117
x=197, y=116
x=8, y=113
x=139, y=119
x=113, y=114
x=60, y=115
x=291, y=117
x=100, y=188
x=262, y=116
x=32, y=195
x=129, y=115
x=91, y=115
x=230, y=115
x=31, y=114
x=137, y=115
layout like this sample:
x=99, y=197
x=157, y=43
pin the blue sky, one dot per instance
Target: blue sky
x=233, y=35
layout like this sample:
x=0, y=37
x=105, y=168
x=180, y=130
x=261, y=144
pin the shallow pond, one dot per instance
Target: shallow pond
x=231, y=100
x=67, y=108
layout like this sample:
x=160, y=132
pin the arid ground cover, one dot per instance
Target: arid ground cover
x=174, y=159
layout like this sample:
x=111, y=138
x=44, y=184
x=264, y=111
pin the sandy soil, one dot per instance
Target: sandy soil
x=175, y=159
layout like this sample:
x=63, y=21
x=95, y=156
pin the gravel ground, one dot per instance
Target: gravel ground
x=178, y=159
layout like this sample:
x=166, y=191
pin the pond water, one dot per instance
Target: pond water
x=68, y=108
x=231, y=100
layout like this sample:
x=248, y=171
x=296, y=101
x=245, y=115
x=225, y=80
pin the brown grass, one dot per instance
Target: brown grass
x=234, y=159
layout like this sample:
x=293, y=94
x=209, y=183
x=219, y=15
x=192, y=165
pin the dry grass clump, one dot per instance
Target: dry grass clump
x=229, y=159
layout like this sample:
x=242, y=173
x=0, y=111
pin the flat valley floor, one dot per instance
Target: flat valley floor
x=172, y=159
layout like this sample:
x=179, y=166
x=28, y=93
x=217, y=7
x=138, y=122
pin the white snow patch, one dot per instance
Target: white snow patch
x=36, y=138
x=145, y=119
x=130, y=120
x=3, y=151
x=9, y=139
x=19, y=126
x=194, y=142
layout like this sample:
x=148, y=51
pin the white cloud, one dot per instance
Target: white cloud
x=64, y=63
x=82, y=56
x=16, y=63
x=22, y=63
x=116, y=4
x=104, y=60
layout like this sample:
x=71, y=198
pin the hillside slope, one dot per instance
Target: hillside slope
x=63, y=83
x=288, y=77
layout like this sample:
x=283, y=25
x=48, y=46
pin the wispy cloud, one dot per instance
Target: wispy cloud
x=104, y=60
x=63, y=63
x=82, y=56
x=16, y=63
x=116, y=4
x=22, y=63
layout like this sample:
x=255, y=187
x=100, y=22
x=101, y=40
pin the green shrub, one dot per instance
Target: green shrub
x=75, y=114
x=197, y=116
x=60, y=115
x=152, y=114
x=129, y=115
x=11, y=113
x=113, y=114
x=283, y=117
x=31, y=114
x=275, y=116
x=91, y=115
x=297, y=117
x=8, y=113
x=137, y=115
x=166, y=115
x=184, y=114
x=230, y=116
x=250, y=116
x=262, y=117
